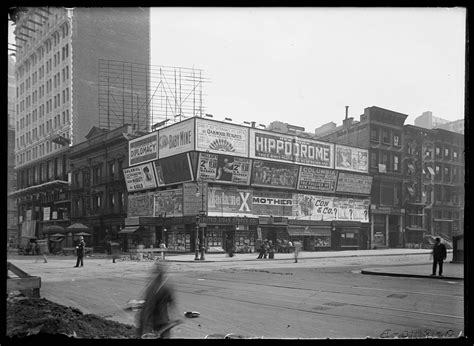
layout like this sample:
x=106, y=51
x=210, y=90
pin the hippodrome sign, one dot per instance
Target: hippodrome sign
x=284, y=148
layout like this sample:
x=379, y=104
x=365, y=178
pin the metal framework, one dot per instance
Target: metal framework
x=145, y=95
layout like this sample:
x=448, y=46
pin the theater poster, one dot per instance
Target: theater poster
x=140, y=177
x=225, y=169
x=176, y=139
x=169, y=202
x=274, y=174
x=217, y=137
x=354, y=183
x=312, y=207
x=317, y=179
x=352, y=159
x=140, y=204
x=143, y=149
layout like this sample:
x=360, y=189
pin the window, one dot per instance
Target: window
x=447, y=173
x=373, y=160
x=111, y=169
x=385, y=161
x=446, y=153
x=396, y=163
x=385, y=137
x=374, y=134
x=455, y=154
x=437, y=171
x=111, y=200
x=396, y=140
x=438, y=151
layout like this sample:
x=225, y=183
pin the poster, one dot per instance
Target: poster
x=276, y=203
x=140, y=204
x=349, y=209
x=216, y=137
x=312, y=207
x=177, y=138
x=317, y=179
x=169, y=202
x=224, y=169
x=143, y=149
x=194, y=198
x=354, y=183
x=140, y=177
x=310, y=152
x=173, y=170
x=229, y=201
x=272, y=146
x=352, y=159
x=274, y=174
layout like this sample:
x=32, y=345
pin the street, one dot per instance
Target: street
x=314, y=298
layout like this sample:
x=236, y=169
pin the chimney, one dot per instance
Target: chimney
x=347, y=111
x=253, y=123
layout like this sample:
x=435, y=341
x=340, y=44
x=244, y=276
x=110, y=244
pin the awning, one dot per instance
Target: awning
x=129, y=229
x=415, y=229
x=50, y=185
x=308, y=230
x=53, y=229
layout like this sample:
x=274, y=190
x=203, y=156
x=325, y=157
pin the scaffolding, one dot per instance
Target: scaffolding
x=147, y=95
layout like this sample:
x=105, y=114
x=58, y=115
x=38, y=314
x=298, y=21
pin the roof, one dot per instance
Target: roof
x=50, y=185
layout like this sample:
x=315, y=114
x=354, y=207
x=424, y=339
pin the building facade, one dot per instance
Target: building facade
x=221, y=184
x=57, y=56
x=12, y=230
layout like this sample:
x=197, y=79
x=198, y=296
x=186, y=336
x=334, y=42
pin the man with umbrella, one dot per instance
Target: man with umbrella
x=80, y=249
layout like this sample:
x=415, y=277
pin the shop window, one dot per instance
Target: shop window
x=349, y=238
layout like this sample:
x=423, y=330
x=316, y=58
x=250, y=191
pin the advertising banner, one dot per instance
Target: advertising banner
x=143, y=149
x=272, y=146
x=140, y=204
x=173, y=170
x=354, y=183
x=217, y=137
x=274, y=174
x=348, y=209
x=317, y=179
x=352, y=159
x=311, y=207
x=229, y=201
x=140, y=177
x=169, y=202
x=177, y=138
x=314, y=153
x=194, y=198
x=224, y=169
x=276, y=203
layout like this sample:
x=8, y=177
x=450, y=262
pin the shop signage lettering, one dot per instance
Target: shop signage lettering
x=272, y=201
x=176, y=139
x=143, y=149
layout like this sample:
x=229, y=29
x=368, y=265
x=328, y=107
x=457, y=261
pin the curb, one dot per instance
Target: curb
x=369, y=272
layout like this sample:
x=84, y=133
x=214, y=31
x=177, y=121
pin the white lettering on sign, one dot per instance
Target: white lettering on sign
x=179, y=139
x=244, y=196
x=143, y=150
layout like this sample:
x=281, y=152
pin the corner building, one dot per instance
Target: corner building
x=221, y=184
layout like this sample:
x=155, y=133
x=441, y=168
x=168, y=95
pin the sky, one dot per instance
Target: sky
x=304, y=65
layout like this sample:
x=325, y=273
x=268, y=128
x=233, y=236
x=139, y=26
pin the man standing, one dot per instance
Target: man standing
x=80, y=248
x=439, y=255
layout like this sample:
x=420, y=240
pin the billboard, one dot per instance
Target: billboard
x=224, y=169
x=312, y=207
x=229, y=201
x=349, y=209
x=354, y=183
x=286, y=148
x=169, y=202
x=173, y=170
x=140, y=204
x=317, y=179
x=276, y=203
x=215, y=137
x=140, y=177
x=274, y=174
x=352, y=159
x=143, y=149
x=177, y=138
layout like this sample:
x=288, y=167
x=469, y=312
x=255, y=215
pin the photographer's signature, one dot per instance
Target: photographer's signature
x=418, y=333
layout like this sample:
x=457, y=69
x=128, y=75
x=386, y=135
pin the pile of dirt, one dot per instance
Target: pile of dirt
x=40, y=317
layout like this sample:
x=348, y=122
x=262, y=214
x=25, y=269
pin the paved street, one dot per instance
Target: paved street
x=317, y=297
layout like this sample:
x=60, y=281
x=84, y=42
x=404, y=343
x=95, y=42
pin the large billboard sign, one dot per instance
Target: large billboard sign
x=313, y=153
x=317, y=179
x=274, y=174
x=140, y=177
x=354, y=183
x=177, y=138
x=224, y=169
x=218, y=137
x=352, y=159
x=169, y=202
x=140, y=204
x=143, y=149
x=173, y=170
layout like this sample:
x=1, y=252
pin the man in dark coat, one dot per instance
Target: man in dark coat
x=439, y=255
x=80, y=249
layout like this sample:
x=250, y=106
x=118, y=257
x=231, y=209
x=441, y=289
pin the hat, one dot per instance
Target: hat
x=81, y=237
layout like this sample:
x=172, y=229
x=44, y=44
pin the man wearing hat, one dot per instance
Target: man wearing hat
x=439, y=255
x=80, y=251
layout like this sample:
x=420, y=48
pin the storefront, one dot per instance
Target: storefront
x=314, y=235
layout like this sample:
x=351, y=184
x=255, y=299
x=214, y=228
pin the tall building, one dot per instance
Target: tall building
x=11, y=186
x=428, y=121
x=58, y=52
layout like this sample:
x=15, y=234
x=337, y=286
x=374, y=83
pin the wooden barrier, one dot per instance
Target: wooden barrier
x=25, y=283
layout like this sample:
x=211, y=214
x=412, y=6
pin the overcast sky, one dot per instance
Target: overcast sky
x=304, y=65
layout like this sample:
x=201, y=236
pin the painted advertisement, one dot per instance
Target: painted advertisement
x=354, y=183
x=173, y=170
x=140, y=177
x=169, y=202
x=143, y=149
x=312, y=207
x=229, y=201
x=224, y=169
x=140, y=204
x=177, y=138
x=349, y=209
x=317, y=179
x=217, y=137
x=274, y=174
x=352, y=159
x=285, y=148
x=194, y=198
x=276, y=203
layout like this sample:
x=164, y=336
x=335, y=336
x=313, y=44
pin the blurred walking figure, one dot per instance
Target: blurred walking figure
x=271, y=250
x=80, y=249
x=153, y=320
x=439, y=255
x=262, y=250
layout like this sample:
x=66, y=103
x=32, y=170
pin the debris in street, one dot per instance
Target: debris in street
x=191, y=314
x=135, y=305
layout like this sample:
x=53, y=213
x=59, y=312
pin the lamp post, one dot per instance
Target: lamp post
x=199, y=223
x=196, y=242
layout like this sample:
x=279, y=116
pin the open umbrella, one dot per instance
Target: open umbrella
x=57, y=235
x=82, y=233
x=77, y=227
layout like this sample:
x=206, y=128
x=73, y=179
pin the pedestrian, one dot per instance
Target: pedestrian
x=80, y=249
x=262, y=249
x=159, y=298
x=266, y=247
x=271, y=250
x=439, y=255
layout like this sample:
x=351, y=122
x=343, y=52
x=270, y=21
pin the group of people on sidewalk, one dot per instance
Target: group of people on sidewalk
x=267, y=249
